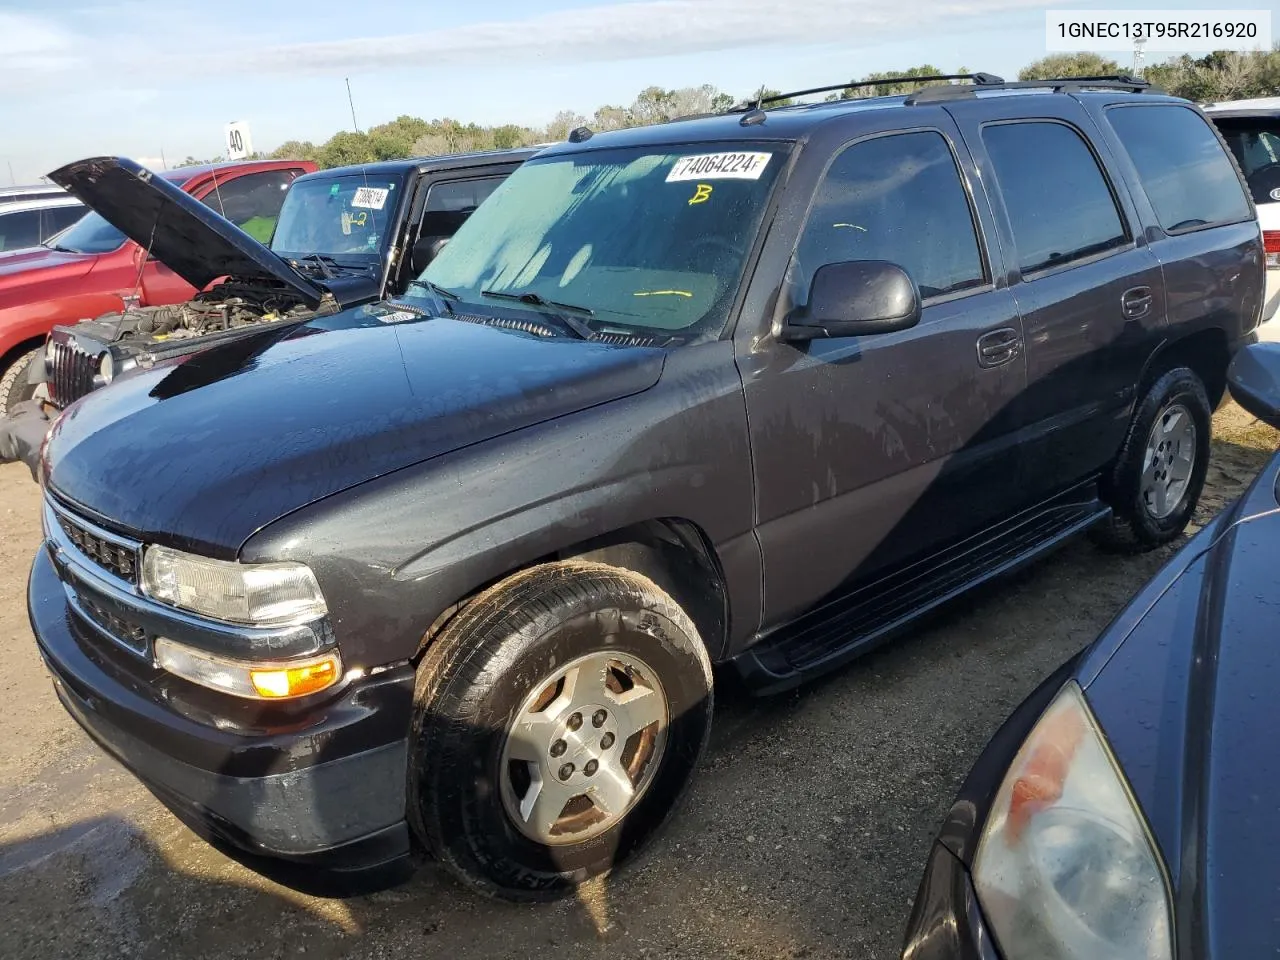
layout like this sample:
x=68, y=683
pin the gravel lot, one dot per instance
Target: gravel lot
x=804, y=837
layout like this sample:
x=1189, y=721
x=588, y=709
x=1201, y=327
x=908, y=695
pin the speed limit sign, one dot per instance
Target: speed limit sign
x=236, y=137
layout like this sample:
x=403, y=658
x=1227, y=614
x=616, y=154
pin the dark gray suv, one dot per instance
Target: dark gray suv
x=756, y=389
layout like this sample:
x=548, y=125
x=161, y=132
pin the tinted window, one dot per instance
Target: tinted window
x=252, y=202
x=59, y=218
x=1058, y=201
x=91, y=234
x=460, y=195
x=1255, y=141
x=1186, y=173
x=19, y=230
x=897, y=198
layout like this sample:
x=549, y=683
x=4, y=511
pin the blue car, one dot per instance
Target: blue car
x=1130, y=807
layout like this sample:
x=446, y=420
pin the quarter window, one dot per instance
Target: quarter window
x=1059, y=204
x=897, y=198
x=1187, y=175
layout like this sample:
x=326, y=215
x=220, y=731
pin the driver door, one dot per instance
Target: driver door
x=875, y=449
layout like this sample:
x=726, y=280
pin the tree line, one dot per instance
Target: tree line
x=1216, y=76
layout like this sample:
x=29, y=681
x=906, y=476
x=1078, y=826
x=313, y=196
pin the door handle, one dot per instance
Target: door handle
x=998, y=346
x=1136, y=303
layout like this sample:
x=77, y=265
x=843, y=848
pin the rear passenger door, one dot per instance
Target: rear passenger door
x=872, y=450
x=1088, y=287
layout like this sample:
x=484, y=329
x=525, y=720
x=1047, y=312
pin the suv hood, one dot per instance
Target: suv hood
x=202, y=453
x=1186, y=692
x=179, y=231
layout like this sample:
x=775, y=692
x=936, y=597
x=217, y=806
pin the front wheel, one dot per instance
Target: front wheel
x=1155, y=483
x=558, y=720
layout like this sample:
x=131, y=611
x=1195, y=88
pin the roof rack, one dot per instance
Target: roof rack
x=978, y=79
x=1056, y=84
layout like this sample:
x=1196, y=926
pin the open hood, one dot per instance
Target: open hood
x=178, y=230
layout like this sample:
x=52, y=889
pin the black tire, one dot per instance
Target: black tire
x=1132, y=527
x=14, y=387
x=472, y=681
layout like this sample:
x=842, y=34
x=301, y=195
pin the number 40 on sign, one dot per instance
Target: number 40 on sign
x=236, y=137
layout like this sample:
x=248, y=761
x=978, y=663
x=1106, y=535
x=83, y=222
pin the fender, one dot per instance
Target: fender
x=393, y=554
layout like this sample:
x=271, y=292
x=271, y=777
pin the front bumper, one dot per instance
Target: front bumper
x=946, y=922
x=324, y=787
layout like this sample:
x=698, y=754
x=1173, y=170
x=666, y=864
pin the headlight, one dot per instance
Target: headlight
x=260, y=594
x=1066, y=868
x=255, y=681
x=106, y=367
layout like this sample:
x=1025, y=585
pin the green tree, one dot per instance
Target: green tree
x=346, y=148
x=509, y=136
x=895, y=89
x=295, y=150
x=1071, y=65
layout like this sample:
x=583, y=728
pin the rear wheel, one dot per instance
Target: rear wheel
x=14, y=387
x=1155, y=483
x=558, y=720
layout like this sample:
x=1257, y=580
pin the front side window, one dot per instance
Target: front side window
x=19, y=230
x=57, y=219
x=897, y=198
x=345, y=217
x=1059, y=204
x=1255, y=141
x=641, y=239
x=252, y=202
x=1187, y=175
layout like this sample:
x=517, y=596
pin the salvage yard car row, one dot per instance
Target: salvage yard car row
x=447, y=563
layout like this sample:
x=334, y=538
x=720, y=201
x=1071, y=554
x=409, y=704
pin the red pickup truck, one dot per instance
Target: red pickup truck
x=92, y=268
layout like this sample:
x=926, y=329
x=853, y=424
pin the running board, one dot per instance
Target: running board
x=844, y=628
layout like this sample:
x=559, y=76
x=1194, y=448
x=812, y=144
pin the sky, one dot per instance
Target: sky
x=157, y=81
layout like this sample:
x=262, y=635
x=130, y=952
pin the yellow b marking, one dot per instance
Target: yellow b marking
x=701, y=194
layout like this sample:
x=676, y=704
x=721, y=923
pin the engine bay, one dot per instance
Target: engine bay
x=230, y=304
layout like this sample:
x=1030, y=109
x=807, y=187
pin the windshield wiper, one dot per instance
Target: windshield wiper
x=59, y=248
x=443, y=295
x=324, y=263
x=556, y=308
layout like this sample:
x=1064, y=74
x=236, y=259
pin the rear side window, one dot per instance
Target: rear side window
x=1059, y=203
x=1255, y=141
x=19, y=230
x=252, y=201
x=1183, y=168
x=897, y=198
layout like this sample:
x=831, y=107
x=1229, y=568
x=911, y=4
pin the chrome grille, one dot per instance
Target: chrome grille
x=116, y=555
x=71, y=372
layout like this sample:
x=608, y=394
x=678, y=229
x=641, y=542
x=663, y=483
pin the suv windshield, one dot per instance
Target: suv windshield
x=652, y=238
x=1255, y=143
x=342, y=217
x=89, y=234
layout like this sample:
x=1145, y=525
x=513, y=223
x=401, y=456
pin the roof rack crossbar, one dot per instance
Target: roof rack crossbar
x=1057, y=84
x=978, y=79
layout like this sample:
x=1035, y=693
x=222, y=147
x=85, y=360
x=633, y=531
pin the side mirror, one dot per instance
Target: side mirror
x=855, y=298
x=425, y=249
x=1254, y=379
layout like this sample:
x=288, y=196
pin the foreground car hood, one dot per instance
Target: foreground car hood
x=179, y=230
x=1189, y=696
x=202, y=453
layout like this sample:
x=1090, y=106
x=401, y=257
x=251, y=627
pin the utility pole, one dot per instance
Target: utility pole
x=354, y=125
x=164, y=164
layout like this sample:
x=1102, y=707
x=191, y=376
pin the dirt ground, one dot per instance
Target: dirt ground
x=804, y=837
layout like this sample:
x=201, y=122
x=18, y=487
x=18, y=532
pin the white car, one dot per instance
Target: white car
x=29, y=223
x=1252, y=131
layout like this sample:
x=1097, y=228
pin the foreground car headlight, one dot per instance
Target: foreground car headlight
x=241, y=678
x=106, y=367
x=258, y=594
x=1066, y=868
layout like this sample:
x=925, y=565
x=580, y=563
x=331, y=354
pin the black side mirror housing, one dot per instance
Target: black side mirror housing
x=1254, y=379
x=425, y=249
x=855, y=298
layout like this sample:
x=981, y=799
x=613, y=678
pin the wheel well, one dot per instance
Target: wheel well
x=1204, y=351
x=26, y=346
x=675, y=554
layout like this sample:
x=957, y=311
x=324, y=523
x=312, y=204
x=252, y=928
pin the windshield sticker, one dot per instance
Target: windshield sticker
x=701, y=195
x=396, y=316
x=371, y=198
x=719, y=166
x=334, y=189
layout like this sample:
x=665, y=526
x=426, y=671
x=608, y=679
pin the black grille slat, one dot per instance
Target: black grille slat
x=118, y=560
x=121, y=630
